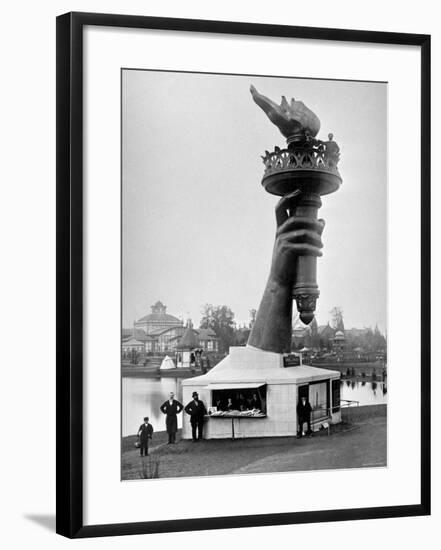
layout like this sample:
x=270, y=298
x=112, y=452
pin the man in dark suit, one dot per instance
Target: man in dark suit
x=145, y=433
x=304, y=415
x=171, y=408
x=196, y=409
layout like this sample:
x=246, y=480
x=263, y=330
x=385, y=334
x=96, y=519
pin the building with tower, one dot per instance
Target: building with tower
x=157, y=320
x=159, y=332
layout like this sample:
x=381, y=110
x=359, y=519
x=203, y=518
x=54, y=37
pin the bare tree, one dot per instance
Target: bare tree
x=337, y=318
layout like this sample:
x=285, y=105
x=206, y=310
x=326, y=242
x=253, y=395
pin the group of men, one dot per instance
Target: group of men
x=197, y=411
x=171, y=408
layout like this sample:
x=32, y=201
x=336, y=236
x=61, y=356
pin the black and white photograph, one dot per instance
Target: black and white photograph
x=221, y=255
x=253, y=274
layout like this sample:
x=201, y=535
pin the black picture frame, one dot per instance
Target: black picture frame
x=69, y=294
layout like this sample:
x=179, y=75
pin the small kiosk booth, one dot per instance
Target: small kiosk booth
x=185, y=357
x=254, y=393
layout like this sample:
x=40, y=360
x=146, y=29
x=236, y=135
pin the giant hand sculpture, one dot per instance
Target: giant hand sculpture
x=296, y=236
x=300, y=174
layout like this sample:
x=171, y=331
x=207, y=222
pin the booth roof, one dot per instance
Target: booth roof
x=252, y=365
x=236, y=386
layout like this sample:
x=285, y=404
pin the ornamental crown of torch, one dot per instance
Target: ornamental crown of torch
x=304, y=152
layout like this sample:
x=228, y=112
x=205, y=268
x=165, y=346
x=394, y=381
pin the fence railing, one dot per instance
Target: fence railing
x=322, y=415
x=349, y=403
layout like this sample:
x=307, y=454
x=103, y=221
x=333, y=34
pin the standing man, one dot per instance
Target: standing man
x=196, y=409
x=304, y=415
x=145, y=433
x=171, y=409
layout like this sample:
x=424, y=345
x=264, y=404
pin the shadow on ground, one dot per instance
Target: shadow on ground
x=47, y=521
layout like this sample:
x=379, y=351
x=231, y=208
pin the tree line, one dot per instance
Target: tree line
x=220, y=318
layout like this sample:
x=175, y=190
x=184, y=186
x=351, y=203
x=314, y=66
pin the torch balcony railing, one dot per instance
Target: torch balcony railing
x=309, y=156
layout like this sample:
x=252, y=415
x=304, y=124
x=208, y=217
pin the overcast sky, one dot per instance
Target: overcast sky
x=198, y=226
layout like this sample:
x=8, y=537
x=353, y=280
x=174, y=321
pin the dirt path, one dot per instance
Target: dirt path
x=363, y=446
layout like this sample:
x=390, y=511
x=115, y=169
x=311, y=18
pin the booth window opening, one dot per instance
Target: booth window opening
x=240, y=399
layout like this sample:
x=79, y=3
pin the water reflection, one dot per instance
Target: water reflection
x=143, y=397
x=364, y=392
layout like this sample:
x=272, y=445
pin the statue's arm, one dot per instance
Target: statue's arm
x=272, y=328
x=295, y=236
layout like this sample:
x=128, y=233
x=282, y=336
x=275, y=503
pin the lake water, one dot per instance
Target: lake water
x=143, y=397
x=367, y=393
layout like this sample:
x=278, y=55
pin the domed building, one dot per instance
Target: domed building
x=160, y=332
x=158, y=320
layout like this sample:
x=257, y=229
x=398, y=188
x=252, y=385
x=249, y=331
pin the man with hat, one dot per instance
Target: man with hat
x=145, y=433
x=171, y=408
x=196, y=409
x=304, y=415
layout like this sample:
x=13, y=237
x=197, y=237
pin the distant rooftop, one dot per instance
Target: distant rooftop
x=159, y=315
x=137, y=334
x=188, y=339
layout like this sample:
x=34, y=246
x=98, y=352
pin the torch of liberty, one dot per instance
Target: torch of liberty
x=300, y=173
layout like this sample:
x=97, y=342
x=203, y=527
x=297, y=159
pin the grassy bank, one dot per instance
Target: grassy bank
x=359, y=441
x=363, y=413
